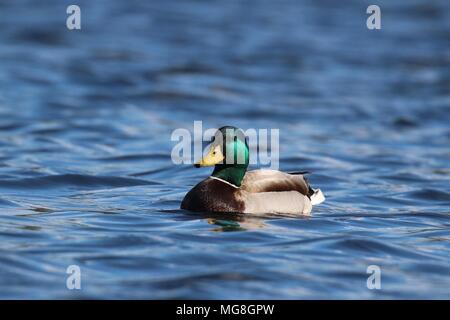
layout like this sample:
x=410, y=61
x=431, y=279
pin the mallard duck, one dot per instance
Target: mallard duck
x=231, y=188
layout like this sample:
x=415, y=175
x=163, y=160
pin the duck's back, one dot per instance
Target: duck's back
x=265, y=180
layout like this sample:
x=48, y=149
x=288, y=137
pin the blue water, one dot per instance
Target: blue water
x=86, y=176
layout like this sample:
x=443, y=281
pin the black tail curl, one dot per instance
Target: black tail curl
x=299, y=172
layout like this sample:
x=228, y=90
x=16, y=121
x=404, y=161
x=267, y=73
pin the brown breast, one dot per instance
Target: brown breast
x=213, y=196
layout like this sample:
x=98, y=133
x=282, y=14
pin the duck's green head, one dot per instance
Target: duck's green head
x=229, y=154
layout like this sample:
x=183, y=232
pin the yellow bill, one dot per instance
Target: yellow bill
x=213, y=157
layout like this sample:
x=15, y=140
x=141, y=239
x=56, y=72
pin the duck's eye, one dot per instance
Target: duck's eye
x=214, y=153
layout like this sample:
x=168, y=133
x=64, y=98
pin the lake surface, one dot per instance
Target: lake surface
x=86, y=176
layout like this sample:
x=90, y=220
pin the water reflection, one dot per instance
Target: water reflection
x=235, y=223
